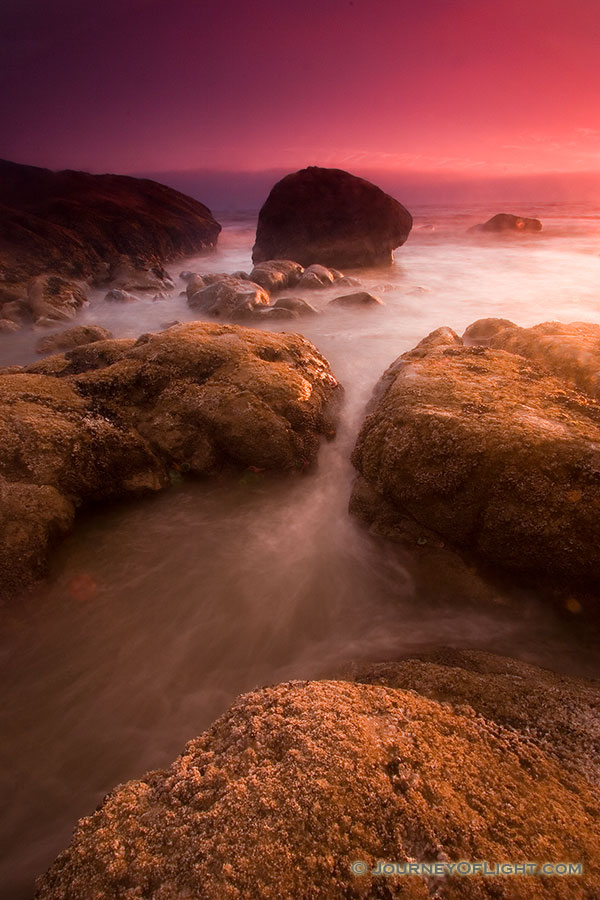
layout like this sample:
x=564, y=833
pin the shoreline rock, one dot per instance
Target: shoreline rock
x=295, y=782
x=115, y=418
x=490, y=452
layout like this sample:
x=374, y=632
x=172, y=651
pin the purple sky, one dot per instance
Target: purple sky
x=473, y=88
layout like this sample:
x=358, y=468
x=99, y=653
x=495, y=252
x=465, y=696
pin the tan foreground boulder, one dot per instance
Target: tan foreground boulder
x=118, y=417
x=298, y=782
x=492, y=453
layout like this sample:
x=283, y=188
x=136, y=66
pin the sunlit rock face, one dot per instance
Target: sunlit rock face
x=330, y=217
x=89, y=229
x=503, y=222
x=460, y=756
x=571, y=352
x=492, y=452
x=117, y=418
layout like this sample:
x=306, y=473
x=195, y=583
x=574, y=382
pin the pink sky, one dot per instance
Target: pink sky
x=474, y=87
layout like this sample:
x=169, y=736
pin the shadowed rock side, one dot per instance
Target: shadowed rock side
x=297, y=781
x=490, y=452
x=507, y=222
x=330, y=217
x=89, y=228
x=119, y=417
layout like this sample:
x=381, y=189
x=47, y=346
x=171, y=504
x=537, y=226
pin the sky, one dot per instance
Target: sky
x=463, y=89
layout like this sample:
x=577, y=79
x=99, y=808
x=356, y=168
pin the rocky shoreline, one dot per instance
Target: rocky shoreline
x=64, y=232
x=116, y=418
x=478, y=459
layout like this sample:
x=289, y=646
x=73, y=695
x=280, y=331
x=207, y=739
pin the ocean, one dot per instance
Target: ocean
x=158, y=612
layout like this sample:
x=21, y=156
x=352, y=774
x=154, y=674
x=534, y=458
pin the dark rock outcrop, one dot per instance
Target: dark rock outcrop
x=330, y=217
x=52, y=299
x=117, y=417
x=296, y=782
x=503, y=222
x=93, y=228
x=491, y=452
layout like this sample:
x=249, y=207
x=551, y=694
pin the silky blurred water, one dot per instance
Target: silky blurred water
x=157, y=613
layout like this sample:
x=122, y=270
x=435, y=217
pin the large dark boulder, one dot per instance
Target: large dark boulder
x=331, y=217
x=92, y=228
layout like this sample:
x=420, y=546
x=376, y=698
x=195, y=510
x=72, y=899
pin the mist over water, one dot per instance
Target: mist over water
x=158, y=612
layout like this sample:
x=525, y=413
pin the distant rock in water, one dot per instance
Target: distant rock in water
x=330, y=217
x=492, y=451
x=93, y=228
x=298, y=791
x=509, y=222
x=118, y=418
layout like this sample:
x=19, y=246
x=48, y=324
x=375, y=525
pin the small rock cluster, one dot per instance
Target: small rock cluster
x=244, y=296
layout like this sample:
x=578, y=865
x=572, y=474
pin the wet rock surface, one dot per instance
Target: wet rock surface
x=297, y=305
x=276, y=274
x=434, y=760
x=492, y=453
x=330, y=217
x=241, y=297
x=229, y=297
x=116, y=417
